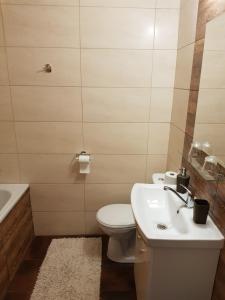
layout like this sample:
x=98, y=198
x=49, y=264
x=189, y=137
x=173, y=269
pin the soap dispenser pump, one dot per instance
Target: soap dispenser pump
x=182, y=179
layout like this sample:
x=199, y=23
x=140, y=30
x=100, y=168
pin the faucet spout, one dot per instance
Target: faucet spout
x=178, y=210
x=188, y=202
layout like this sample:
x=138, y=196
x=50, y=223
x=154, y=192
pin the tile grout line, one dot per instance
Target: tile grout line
x=10, y=91
x=88, y=122
x=93, y=87
x=91, y=48
x=81, y=183
x=150, y=101
x=89, y=6
x=95, y=153
x=69, y=153
x=81, y=77
x=82, y=108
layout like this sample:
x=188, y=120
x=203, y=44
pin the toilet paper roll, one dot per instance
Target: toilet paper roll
x=84, y=159
x=84, y=162
x=170, y=177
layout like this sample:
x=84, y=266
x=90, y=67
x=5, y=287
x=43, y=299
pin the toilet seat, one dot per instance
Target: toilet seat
x=116, y=216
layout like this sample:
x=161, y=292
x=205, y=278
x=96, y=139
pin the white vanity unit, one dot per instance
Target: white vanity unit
x=175, y=258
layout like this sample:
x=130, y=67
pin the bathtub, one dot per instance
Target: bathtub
x=10, y=194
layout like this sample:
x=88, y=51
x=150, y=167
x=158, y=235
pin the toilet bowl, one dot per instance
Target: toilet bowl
x=117, y=221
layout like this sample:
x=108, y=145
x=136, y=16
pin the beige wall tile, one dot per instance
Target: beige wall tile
x=5, y=104
x=161, y=104
x=117, y=28
x=176, y=142
x=36, y=103
x=158, y=138
x=117, y=169
x=7, y=138
x=43, y=2
x=211, y=106
x=3, y=70
x=174, y=163
x=99, y=195
x=116, y=68
x=182, y=3
x=164, y=66
x=166, y=29
x=92, y=226
x=46, y=168
x=188, y=21
x=116, y=138
x=57, y=197
x=168, y=3
x=155, y=164
x=59, y=223
x=9, y=168
x=116, y=104
x=49, y=137
x=59, y=26
x=184, y=67
x=212, y=73
x=119, y=3
x=26, y=64
x=214, y=33
x=180, y=106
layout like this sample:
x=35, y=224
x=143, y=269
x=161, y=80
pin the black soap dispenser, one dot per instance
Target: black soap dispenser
x=182, y=178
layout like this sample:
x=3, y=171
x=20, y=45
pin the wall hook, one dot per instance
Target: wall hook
x=47, y=68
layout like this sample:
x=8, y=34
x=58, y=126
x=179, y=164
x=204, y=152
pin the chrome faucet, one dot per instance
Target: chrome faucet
x=189, y=202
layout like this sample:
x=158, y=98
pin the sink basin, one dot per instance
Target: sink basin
x=155, y=212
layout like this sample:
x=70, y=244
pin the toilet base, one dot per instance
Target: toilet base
x=122, y=250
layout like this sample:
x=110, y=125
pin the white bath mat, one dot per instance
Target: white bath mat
x=71, y=270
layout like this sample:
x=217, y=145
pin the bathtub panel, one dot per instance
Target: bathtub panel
x=3, y=274
x=17, y=243
x=16, y=234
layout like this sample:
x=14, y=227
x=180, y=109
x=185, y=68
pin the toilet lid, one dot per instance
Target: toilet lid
x=116, y=215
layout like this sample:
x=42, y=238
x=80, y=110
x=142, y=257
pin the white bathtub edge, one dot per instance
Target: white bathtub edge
x=17, y=191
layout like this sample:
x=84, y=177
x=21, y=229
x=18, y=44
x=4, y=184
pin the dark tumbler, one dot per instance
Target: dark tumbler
x=200, y=211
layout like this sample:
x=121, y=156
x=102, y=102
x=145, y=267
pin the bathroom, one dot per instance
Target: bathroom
x=98, y=100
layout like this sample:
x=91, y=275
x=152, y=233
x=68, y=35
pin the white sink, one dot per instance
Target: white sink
x=155, y=212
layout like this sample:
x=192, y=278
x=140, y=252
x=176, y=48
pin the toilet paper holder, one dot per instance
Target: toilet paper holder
x=82, y=153
x=84, y=160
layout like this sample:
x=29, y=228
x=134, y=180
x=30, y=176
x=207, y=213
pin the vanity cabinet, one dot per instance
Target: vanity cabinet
x=142, y=268
x=182, y=273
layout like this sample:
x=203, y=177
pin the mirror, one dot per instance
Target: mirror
x=210, y=115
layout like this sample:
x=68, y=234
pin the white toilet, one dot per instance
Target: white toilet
x=117, y=221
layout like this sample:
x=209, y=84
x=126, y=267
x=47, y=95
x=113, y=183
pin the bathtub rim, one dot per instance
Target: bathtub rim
x=17, y=190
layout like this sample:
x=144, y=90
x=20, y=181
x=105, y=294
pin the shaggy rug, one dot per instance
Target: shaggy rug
x=71, y=270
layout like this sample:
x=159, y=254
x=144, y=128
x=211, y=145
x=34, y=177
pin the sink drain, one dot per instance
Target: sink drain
x=161, y=226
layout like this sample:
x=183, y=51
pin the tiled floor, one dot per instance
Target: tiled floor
x=117, y=280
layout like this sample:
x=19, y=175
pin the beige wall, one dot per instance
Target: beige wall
x=110, y=93
x=186, y=39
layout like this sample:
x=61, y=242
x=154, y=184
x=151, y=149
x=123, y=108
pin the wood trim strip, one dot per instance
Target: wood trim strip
x=214, y=192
